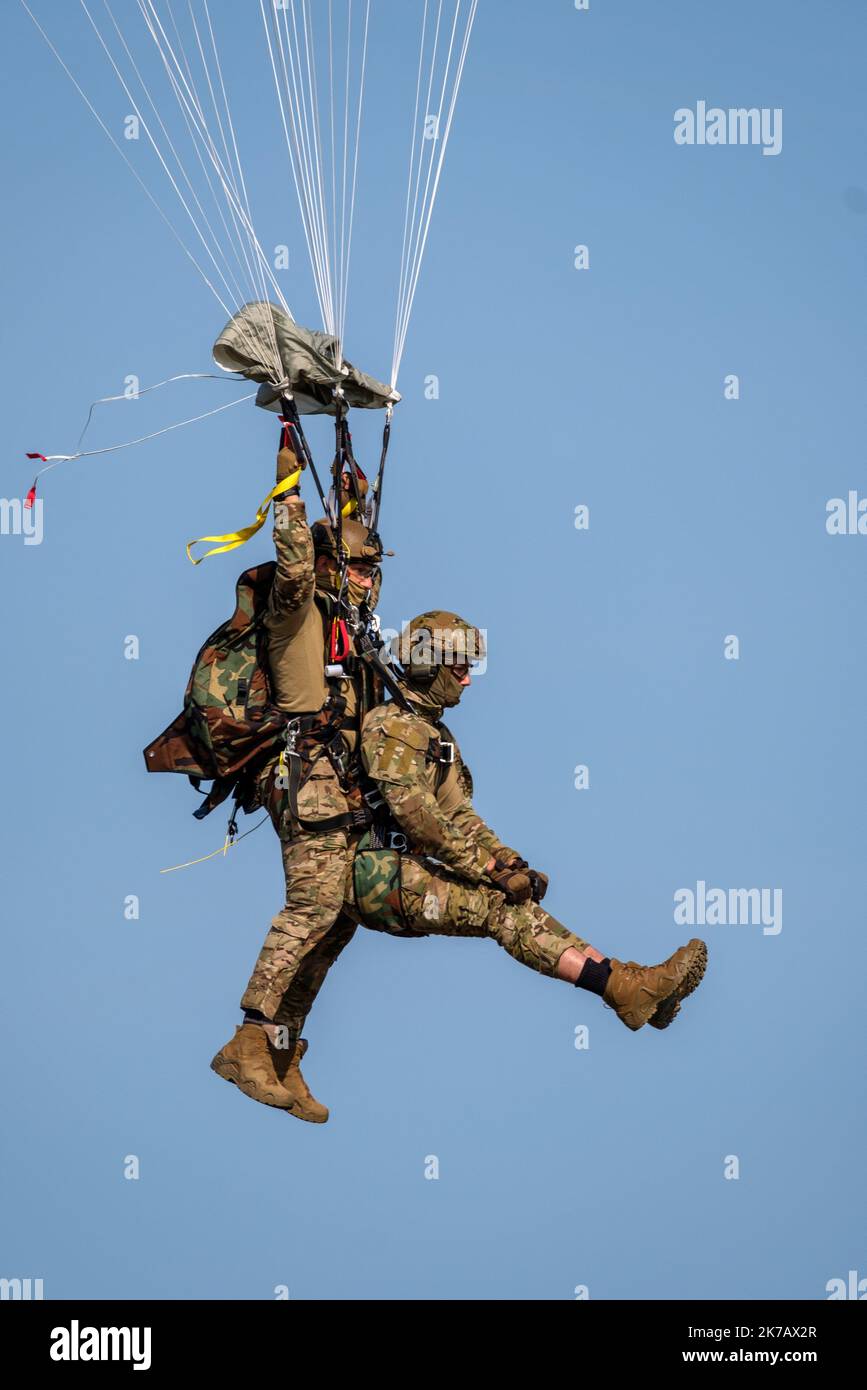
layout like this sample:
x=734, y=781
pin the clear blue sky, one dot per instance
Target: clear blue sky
x=558, y=1167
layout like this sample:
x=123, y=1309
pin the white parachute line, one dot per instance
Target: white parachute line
x=144, y=390
x=406, y=219
x=190, y=103
x=154, y=145
x=334, y=238
x=255, y=248
x=301, y=131
x=345, y=286
x=445, y=139
x=434, y=147
x=142, y=121
x=240, y=233
x=418, y=213
x=256, y=251
x=52, y=460
x=289, y=149
x=310, y=55
x=306, y=80
x=345, y=141
x=191, y=107
x=311, y=109
x=403, y=289
x=194, y=140
x=128, y=162
x=301, y=151
x=234, y=286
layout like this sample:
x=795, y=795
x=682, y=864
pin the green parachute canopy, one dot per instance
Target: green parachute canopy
x=265, y=344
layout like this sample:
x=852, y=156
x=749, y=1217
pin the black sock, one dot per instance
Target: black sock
x=254, y=1016
x=594, y=975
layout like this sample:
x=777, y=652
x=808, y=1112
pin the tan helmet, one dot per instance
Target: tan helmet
x=430, y=646
x=357, y=543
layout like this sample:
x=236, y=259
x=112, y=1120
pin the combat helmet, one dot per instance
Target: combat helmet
x=357, y=543
x=428, y=650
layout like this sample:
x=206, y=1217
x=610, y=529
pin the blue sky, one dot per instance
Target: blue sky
x=558, y=387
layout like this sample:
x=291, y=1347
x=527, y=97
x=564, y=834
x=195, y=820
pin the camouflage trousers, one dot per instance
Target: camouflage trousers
x=417, y=897
x=310, y=932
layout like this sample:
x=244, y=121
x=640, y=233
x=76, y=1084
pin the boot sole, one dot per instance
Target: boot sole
x=669, y=1008
x=229, y=1072
x=226, y=1070
x=310, y=1119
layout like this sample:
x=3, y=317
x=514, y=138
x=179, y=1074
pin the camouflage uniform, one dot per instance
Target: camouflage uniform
x=307, y=936
x=436, y=868
x=439, y=887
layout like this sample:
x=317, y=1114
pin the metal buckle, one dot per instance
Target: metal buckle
x=293, y=729
x=397, y=841
x=374, y=798
x=446, y=757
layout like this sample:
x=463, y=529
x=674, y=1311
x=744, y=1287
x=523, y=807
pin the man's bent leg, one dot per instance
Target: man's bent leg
x=309, y=978
x=315, y=868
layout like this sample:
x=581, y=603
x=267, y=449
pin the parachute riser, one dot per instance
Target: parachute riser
x=290, y=416
x=377, y=486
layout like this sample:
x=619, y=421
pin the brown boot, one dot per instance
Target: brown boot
x=299, y=1100
x=251, y=1063
x=652, y=994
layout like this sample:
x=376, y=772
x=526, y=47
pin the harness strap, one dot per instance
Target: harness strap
x=335, y=750
x=440, y=750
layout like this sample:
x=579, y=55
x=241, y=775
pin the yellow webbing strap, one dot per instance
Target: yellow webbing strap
x=235, y=538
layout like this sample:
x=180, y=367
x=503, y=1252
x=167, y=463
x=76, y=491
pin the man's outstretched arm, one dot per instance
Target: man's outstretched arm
x=294, y=581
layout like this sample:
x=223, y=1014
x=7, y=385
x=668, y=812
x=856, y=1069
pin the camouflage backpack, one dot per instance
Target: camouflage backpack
x=229, y=727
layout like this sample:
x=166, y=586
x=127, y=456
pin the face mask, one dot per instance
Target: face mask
x=445, y=689
x=357, y=594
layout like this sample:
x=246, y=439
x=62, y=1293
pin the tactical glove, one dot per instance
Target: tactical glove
x=512, y=880
x=287, y=464
x=539, y=882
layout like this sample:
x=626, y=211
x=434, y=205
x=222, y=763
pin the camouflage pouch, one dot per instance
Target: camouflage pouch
x=376, y=885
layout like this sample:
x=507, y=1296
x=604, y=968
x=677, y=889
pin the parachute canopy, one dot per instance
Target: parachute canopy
x=261, y=332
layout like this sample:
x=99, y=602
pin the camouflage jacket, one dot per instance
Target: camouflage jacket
x=404, y=754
